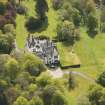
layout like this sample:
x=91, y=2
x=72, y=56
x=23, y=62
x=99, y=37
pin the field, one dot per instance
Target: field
x=67, y=56
x=89, y=52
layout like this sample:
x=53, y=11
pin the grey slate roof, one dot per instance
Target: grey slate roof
x=44, y=48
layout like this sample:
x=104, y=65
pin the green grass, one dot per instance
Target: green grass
x=81, y=88
x=30, y=4
x=91, y=52
x=67, y=58
x=21, y=31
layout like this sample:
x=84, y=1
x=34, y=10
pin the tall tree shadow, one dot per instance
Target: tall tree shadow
x=36, y=25
x=70, y=42
x=92, y=34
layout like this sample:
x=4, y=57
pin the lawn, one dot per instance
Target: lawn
x=67, y=57
x=82, y=85
x=21, y=31
x=91, y=52
x=81, y=88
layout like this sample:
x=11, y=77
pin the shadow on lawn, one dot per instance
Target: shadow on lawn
x=69, y=43
x=92, y=34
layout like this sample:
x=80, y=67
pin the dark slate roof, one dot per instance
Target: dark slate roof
x=44, y=48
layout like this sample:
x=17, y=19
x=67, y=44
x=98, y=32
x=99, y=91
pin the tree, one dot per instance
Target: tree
x=97, y=2
x=43, y=80
x=85, y=7
x=32, y=88
x=48, y=94
x=66, y=11
x=2, y=8
x=33, y=24
x=21, y=101
x=13, y=2
x=102, y=19
x=59, y=99
x=9, y=28
x=21, y=9
x=3, y=59
x=57, y=4
x=17, y=54
x=36, y=101
x=3, y=86
x=12, y=93
x=41, y=8
x=54, y=95
x=96, y=95
x=76, y=17
x=103, y=27
x=65, y=31
x=103, y=2
x=71, y=81
x=23, y=80
x=12, y=68
x=3, y=99
x=6, y=43
x=92, y=23
x=101, y=79
x=33, y=64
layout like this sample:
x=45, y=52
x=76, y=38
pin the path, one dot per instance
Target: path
x=58, y=73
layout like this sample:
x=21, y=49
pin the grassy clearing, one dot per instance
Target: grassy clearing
x=30, y=4
x=91, y=53
x=83, y=85
x=67, y=58
x=21, y=31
